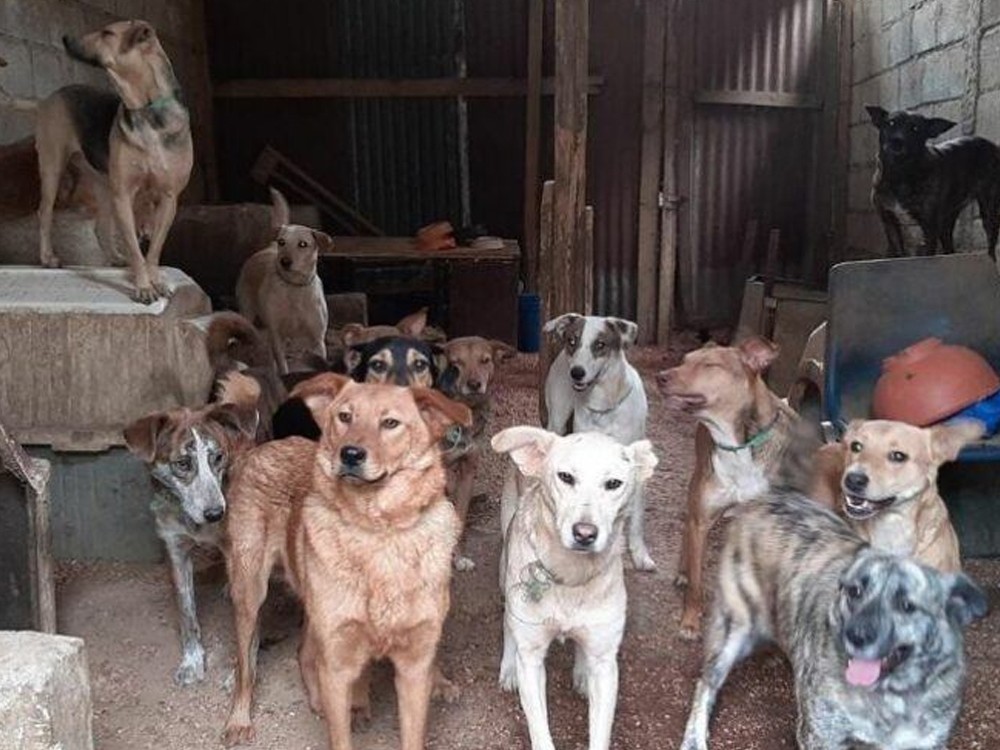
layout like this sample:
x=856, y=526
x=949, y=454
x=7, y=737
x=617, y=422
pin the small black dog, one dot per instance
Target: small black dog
x=931, y=184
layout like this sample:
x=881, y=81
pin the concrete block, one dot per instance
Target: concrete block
x=988, y=115
x=50, y=69
x=859, y=188
x=953, y=23
x=925, y=26
x=31, y=20
x=911, y=83
x=900, y=36
x=944, y=74
x=44, y=692
x=864, y=145
x=991, y=12
x=16, y=77
x=989, y=61
x=950, y=110
x=863, y=23
x=887, y=89
x=861, y=60
x=893, y=10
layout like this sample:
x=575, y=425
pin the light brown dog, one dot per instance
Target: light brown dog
x=743, y=429
x=137, y=141
x=472, y=363
x=279, y=290
x=413, y=325
x=362, y=527
x=883, y=475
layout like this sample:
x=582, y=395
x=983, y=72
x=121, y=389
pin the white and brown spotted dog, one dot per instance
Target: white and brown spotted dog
x=591, y=387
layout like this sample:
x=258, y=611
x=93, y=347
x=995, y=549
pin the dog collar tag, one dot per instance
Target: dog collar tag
x=539, y=581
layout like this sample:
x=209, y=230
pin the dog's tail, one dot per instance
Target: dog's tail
x=234, y=344
x=10, y=101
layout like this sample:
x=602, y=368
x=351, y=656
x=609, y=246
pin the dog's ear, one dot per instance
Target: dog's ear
x=758, y=353
x=143, y=435
x=240, y=420
x=878, y=115
x=528, y=447
x=318, y=392
x=139, y=32
x=281, y=214
x=966, y=601
x=947, y=440
x=351, y=333
x=414, y=323
x=645, y=459
x=560, y=324
x=935, y=126
x=323, y=241
x=352, y=359
x=628, y=330
x=439, y=412
x=502, y=352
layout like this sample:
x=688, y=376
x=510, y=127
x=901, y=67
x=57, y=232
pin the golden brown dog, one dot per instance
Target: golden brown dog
x=472, y=363
x=743, y=429
x=136, y=142
x=883, y=475
x=362, y=527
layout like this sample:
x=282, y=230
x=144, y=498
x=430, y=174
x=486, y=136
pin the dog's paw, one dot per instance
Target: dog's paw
x=580, y=679
x=237, y=733
x=689, y=631
x=191, y=669
x=145, y=294
x=681, y=581
x=463, y=564
x=508, y=678
x=444, y=689
x=642, y=561
x=161, y=287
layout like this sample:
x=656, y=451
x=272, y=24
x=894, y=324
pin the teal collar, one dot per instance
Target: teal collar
x=160, y=101
x=759, y=439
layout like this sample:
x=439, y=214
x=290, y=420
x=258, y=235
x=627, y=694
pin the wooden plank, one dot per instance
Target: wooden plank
x=358, y=88
x=203, y=104
x=838, y=240
x=674, y=146
x=405, y=249
x=588, y=260
x=532, y=143
x=572, y=24
x=544, y=283
x=651, y=166
x=773, y=99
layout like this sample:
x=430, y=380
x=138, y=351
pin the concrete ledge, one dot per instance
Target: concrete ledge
x=44, y=693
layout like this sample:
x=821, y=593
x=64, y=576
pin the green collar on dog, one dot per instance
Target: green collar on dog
x=759, y=439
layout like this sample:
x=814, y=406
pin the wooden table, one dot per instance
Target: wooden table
x=472, y=292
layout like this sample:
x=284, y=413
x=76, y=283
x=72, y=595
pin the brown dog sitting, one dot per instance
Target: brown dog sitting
x=472, y=362
x=883, y=477
x=363, y=529
x=743, y=429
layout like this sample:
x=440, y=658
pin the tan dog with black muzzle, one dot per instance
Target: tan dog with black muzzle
x=883, y=477
x=135, y=142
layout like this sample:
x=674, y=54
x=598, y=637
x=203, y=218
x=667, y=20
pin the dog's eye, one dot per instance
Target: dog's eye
x=599, y=346
x=485, y=360
x=218, y=460
x=898, y=457
x=420, y=365
x=566, y=478
x=377, y=366
x=390, y=423
x=281, y=242
x=905, y=605
x=612, y=484
x=346, y=417
x=856, y=447
x=571, y=341
x=184, y=464
x=303, y=243
x=853, y=591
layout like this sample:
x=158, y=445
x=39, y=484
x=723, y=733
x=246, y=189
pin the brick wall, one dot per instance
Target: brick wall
x=31, y=34
x=937, y=57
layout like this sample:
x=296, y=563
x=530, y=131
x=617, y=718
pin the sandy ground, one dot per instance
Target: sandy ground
x=127, y=617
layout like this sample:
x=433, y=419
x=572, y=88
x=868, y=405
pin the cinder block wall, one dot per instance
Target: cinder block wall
x=937, y=57
x=31, y=34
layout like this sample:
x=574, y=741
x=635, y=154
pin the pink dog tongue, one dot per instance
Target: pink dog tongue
x=863, y=673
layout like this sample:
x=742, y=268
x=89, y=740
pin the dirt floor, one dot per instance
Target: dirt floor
x=127, y=616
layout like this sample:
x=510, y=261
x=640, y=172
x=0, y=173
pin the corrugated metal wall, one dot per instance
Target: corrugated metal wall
x=757, y=79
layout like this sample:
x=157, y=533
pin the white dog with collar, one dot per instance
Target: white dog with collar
x=592, y=387
x=561, y=572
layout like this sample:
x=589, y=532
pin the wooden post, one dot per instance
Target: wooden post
x=545, y=283
x=532, y=144
x=203, y=105
x=588, y=261
x=650, y=167
x=568, y=279
x=670, y=184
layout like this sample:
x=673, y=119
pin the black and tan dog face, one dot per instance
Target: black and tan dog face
x=474, y=361
x=395, y=360
x=904, y=135
x=899, y=622
x=591, y=343
x=117, y=48
x=887, y=463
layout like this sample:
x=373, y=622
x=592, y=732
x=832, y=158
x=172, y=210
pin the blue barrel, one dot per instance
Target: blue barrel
x=529, y=322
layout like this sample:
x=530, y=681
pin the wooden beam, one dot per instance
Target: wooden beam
x=545, y=353
x=532, y=143
x=391, y=88
x=650, y=167
x=772, y=99
x=572, y=24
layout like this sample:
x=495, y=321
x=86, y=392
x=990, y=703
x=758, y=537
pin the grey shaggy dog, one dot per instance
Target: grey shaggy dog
x=875, y=641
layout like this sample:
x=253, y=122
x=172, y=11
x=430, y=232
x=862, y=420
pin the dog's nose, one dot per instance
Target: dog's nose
x=475, y=385
x=856, y=481
x=584, y=534
x=352, y=455
x=577, y=373
x=214, y=514
x=285, y=262
x=861, y=634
